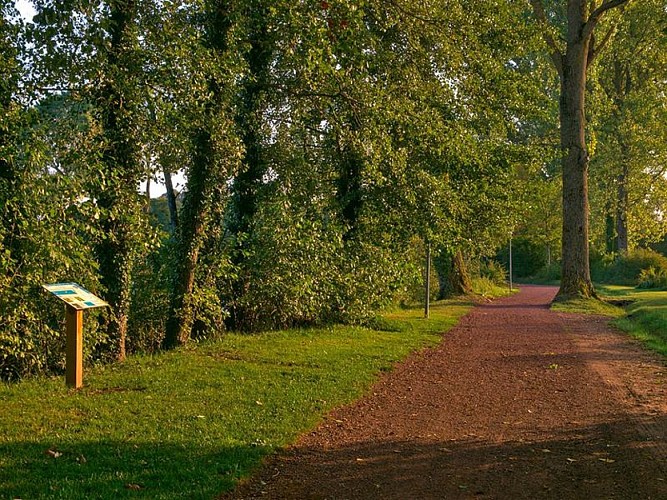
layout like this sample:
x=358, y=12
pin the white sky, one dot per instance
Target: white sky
x=25, y=8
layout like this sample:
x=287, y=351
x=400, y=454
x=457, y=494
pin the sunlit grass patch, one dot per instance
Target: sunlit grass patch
x=190, y=423
x=582, y=305
x=646, y=317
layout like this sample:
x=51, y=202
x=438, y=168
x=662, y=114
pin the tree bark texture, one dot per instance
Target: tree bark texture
x=198, y=199
x=576, y=278
x=582, y=19
x=459, y=279
x=120, y=159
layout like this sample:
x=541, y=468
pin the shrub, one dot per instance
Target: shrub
x=653, y=278
x=548, y=274
x=625, y=269
x=494, y=272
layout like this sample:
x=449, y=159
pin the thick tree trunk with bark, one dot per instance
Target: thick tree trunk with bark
x=453, y=276
x=576, y=278
x=582, y=18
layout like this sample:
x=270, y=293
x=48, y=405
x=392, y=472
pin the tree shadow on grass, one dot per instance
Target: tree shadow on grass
x=87, y=470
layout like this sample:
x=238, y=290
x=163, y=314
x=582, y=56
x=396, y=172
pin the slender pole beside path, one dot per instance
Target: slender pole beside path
x=74, y=350
x=511, y=264
x=427, y=282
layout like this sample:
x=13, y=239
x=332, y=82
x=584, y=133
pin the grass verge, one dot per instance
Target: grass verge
x=190, y=423
x=588, y=306
x=646, y=315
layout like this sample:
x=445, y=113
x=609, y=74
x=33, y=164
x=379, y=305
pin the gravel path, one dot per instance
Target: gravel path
x=516, y=402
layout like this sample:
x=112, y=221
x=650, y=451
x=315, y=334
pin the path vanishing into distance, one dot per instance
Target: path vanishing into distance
x=516, y=402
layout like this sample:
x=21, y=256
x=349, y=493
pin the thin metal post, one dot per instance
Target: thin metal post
x=74, y=350
x=511, y=288
x=427, y=281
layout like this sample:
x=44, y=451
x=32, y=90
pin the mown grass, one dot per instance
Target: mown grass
x=646, y=315
x=588, y=306
x=190, y=423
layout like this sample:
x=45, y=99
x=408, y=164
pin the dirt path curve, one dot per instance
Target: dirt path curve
x=516, y=402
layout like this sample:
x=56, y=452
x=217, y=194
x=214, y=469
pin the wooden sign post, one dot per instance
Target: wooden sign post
x=77, y=299
x=74, y=350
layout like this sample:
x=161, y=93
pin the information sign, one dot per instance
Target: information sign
x=75, y=295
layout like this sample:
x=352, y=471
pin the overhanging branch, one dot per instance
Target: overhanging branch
x=597, y=14
x=554, y=50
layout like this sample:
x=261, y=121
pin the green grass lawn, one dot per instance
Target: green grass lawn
x=643, y=313
x=646, y=317
x=188, y=424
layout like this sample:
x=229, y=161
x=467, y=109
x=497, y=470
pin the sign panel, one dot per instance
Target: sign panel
x=75, y=295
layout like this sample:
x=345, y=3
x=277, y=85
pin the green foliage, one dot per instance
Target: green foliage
x=193, y=422
x=488, y=289
x=653, y=278
x=494, y=272
x=548, y=274
x=322, y=145
x=646, y=318
x=626, y=269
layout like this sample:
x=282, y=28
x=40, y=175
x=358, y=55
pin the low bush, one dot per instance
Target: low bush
x=653, y=278
x=626, y=269
x=494, y=272
x=548, y=274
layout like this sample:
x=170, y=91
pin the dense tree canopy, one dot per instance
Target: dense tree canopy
x=324, y=143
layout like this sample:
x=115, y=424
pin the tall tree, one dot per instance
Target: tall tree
x=630, y=126
x=215, y=157
x=92, y=49
x=572, y=62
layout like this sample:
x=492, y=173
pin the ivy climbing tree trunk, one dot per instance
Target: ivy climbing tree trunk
x=214, y=150
x=117, y=194
x=189, y=240
x=571, y=64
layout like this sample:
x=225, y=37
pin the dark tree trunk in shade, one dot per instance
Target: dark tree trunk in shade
x=197, y=204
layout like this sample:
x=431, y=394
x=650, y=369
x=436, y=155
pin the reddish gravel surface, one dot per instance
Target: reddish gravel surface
x=516, y=402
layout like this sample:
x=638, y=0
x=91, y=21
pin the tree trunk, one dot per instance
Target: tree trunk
x=349, y=190
x=195, y=209
x=459, y=279
x=576, y=277
x=582, y=20
x=118, y=200
x=249, y=180
x=171, y=200
x=622, y=209
x=205, y=173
